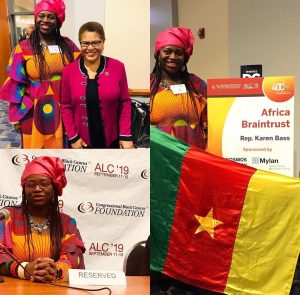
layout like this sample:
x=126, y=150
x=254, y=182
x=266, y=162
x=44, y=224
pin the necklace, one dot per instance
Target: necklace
x=165, y=85
x=39, y=227
x=44, y=45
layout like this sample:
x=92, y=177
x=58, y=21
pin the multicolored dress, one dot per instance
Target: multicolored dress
x=34, y=103
x=176, y=114
x=13, y=236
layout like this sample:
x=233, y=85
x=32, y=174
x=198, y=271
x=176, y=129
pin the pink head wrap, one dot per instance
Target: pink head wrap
x=55, y=6
x=181, y=37
x=52, y=167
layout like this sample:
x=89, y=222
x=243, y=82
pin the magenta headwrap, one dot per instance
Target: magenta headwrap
x=52, y=167
x=181, y=37
x=55, y=6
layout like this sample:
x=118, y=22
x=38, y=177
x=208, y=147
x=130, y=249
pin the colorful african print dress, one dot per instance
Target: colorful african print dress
x=13, y=236
x=34, y=103
x=176, y=114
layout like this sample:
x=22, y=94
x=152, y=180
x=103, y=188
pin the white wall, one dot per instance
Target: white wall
x=195, y=14
x=267, y=32
x=210, y=57
x=79, y=12
x=161, y=19
x=127, y=30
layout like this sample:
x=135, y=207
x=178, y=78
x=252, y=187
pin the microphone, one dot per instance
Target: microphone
x=4, y=214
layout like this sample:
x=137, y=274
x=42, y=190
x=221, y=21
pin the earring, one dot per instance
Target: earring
x=183, y=68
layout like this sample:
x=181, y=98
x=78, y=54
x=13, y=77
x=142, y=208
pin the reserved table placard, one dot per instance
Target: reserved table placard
x=96, y=277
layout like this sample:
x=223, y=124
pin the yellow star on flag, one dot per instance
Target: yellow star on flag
x=207, y=223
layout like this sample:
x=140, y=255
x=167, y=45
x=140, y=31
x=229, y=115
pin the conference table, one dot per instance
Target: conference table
x=135, y=285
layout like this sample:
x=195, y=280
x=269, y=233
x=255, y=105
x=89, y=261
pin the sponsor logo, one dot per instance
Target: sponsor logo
x=73, y=165
x=111, y=170
x=257, y=160
x=144, y=174
x=6, y=201
x=20, y=159
x=112, y=209
x=239, y=160
x=105, y=249
x=85, y=207
x=280, y=86
x=279, y=89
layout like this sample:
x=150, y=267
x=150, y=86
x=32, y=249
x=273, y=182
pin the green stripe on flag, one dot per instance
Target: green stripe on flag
x=166, y=156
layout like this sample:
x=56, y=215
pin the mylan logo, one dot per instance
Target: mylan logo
x=255, y=160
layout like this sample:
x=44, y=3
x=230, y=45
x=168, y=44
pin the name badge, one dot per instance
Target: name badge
x=178, y=89
x=84, y=277
x=53, y=49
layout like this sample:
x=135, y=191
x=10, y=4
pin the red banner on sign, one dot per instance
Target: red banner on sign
x=234, y=87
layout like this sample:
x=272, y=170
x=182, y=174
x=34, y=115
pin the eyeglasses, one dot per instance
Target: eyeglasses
x=93, y=43
x=43, y=183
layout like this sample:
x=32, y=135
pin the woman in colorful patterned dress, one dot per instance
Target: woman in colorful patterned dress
x=178, y=98
x=33, y=85
x=178, y=107
x=46, y=242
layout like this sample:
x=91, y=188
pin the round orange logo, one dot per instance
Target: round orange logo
x=279, y=89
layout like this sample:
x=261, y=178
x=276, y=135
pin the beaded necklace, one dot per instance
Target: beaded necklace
x=39, y=227
x=166, y=86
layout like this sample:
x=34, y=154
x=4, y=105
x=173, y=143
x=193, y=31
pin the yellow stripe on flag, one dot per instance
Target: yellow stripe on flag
x=267, y=243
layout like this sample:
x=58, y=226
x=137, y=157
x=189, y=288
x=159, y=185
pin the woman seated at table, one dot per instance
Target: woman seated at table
x=45, y=241
x=96, y=107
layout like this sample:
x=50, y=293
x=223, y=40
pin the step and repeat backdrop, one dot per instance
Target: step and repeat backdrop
x=108, y=193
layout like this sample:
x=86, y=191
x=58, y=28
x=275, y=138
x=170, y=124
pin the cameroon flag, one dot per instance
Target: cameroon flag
x=221, y=225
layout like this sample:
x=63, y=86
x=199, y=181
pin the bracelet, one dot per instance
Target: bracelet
x=21, y=270
x=13, y=269
x=7, y=267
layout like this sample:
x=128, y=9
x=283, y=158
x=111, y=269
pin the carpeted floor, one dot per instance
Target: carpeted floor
x=11, y=139
x=8, y=137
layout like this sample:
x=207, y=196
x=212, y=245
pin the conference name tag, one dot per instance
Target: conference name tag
x=53, y=48
x=96, y=277
x=178, y=89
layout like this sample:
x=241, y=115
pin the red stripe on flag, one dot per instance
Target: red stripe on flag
x=206, y=182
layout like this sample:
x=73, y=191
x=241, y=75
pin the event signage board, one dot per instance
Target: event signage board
x=108, y=193
x=251, y=121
